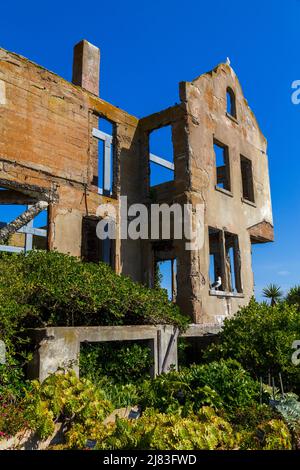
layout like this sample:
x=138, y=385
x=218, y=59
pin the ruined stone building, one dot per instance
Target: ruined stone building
x=51, y=141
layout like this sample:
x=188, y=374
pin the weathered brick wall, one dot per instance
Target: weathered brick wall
x=46, y=143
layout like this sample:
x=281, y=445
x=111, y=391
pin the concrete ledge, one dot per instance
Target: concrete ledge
x=220, y=293
x=198, y=330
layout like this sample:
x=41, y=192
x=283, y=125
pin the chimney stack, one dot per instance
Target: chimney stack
x=86, y=66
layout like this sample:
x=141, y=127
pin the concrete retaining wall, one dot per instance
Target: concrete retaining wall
x=59, y=347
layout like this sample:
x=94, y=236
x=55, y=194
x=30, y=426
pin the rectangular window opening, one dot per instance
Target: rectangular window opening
x=99, y=360
x=224, y=261
x=233, y=262
x=33, y=235
x=104, y=177
x=165, y=277
x=222, y=166
x=215, y=260
x=161, y=156
x=93, y=249
x=247, y=179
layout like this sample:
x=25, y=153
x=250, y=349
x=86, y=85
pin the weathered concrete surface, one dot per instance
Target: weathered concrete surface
x=59, y=347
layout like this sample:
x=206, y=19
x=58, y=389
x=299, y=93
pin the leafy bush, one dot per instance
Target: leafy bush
x=218, y=384
x=56, y=289
x=248, y=418
x=293, y=296
x=169, y=432
x=288, y=407
x=122, y=363
x=11, y=416
x=227, y=377
x=260, y=337
x=204, y=430
x=120, y=395
x=65, y=398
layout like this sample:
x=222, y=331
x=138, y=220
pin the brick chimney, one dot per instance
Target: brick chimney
x=86, y=66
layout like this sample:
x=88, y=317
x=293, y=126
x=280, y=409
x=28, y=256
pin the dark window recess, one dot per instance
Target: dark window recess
x=225, y=260
x=92, y=248
x=231, y=105
x=222, y=166
x=247, y=179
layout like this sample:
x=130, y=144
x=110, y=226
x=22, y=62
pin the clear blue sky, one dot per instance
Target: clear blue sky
x=148, y=47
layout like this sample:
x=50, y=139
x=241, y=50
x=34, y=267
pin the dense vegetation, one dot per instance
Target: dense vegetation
x=260, y=337
x=49, y=288
x=220, y=404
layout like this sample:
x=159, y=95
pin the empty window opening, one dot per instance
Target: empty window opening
x=165, y=277
x=224, y=261
x=232, y=263
x=93, y=249
x=120, y=361
x=105, y=168
x=222, y=166
x=216, y=271
x=161, y=156
x=33, y=235
x=191, y=349
x=247, y=179
x=231, y=105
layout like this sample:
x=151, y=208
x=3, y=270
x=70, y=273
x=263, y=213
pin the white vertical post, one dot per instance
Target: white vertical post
x=106, y=167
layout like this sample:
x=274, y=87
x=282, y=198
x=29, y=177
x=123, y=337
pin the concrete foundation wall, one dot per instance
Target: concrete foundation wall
x=59, y=347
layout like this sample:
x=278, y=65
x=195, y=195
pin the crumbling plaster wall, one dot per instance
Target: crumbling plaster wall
x=205, y=99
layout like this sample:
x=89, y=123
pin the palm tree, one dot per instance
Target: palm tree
x=293, y=296
x=273, y=293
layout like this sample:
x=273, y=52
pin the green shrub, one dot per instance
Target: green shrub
x=120, y=395
x=228, y=378
x=260, y=337
x=204, y=430
x=293, y=296
x=11, y=415
x=123, y=363
x=62, y=397
x=248, y=418
x=169, y=432
x=270, y=435
x=217, y=384
x=60, y=290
